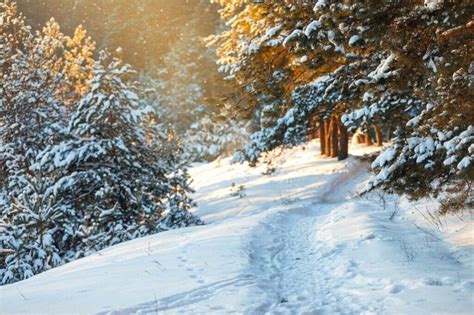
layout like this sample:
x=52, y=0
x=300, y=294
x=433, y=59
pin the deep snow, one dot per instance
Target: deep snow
x=297, y=242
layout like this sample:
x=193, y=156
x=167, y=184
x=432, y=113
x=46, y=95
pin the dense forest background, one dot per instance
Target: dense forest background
x=145, y=29
x=164, y=42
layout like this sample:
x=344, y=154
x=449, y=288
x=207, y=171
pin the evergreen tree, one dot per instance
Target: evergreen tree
x=372, y=64
x=82, y=163
x=182, y=102
x=115, y=159
x=433, y=152
x=31, y=117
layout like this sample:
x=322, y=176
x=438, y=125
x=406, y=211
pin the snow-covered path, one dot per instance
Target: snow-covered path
x=288, y=259
x=284, y=258
x=295, y=242
x=333, y=258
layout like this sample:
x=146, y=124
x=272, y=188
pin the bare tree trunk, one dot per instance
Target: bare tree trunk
x=368, y=138
x=334, y=138
x=327, y=125
x=379, y=135
x=322, y=136
x=343, y=142
x=312, y=130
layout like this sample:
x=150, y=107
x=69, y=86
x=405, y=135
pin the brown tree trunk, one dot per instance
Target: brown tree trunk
x=368, y=138
x=322, y=136
x=343, y=142
x=327, y=125
x=334, y=138
x=312, y=130
x=379, y=135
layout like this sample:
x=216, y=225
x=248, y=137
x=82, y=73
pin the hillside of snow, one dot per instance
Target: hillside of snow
x=297, y=241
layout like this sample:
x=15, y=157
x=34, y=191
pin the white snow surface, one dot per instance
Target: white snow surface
x=298, y=241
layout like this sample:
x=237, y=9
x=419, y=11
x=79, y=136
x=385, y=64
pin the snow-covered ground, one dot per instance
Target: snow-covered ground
x=294, y=242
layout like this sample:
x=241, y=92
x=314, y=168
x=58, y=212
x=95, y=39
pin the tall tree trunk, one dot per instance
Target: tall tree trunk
x=368, y=138
x=334, y=138
x=327, y=125
x=379, y=135
x=322, y=136
x=343, y=142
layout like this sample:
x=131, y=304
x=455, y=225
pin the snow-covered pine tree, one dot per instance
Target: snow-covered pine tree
x=433, y=153
x=180, y=94
x=413, y=67
x=393, y=65
x=38, y=231
x=300, y=44
x=338, y=44
x=252, y=55
x=214, y=136
x=75, y=182
x=31, y=117
x=115, y=161
x=179, y=203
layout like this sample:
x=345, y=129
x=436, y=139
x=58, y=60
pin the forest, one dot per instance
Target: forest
x=107, y=106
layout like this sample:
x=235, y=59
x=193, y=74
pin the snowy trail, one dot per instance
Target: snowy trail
x=296, y=242
x=289, y=260
x=284, y=254
x=305, y=258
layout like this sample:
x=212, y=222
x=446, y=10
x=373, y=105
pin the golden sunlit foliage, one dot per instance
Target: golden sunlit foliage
x=378, y=66
x=71, y=56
